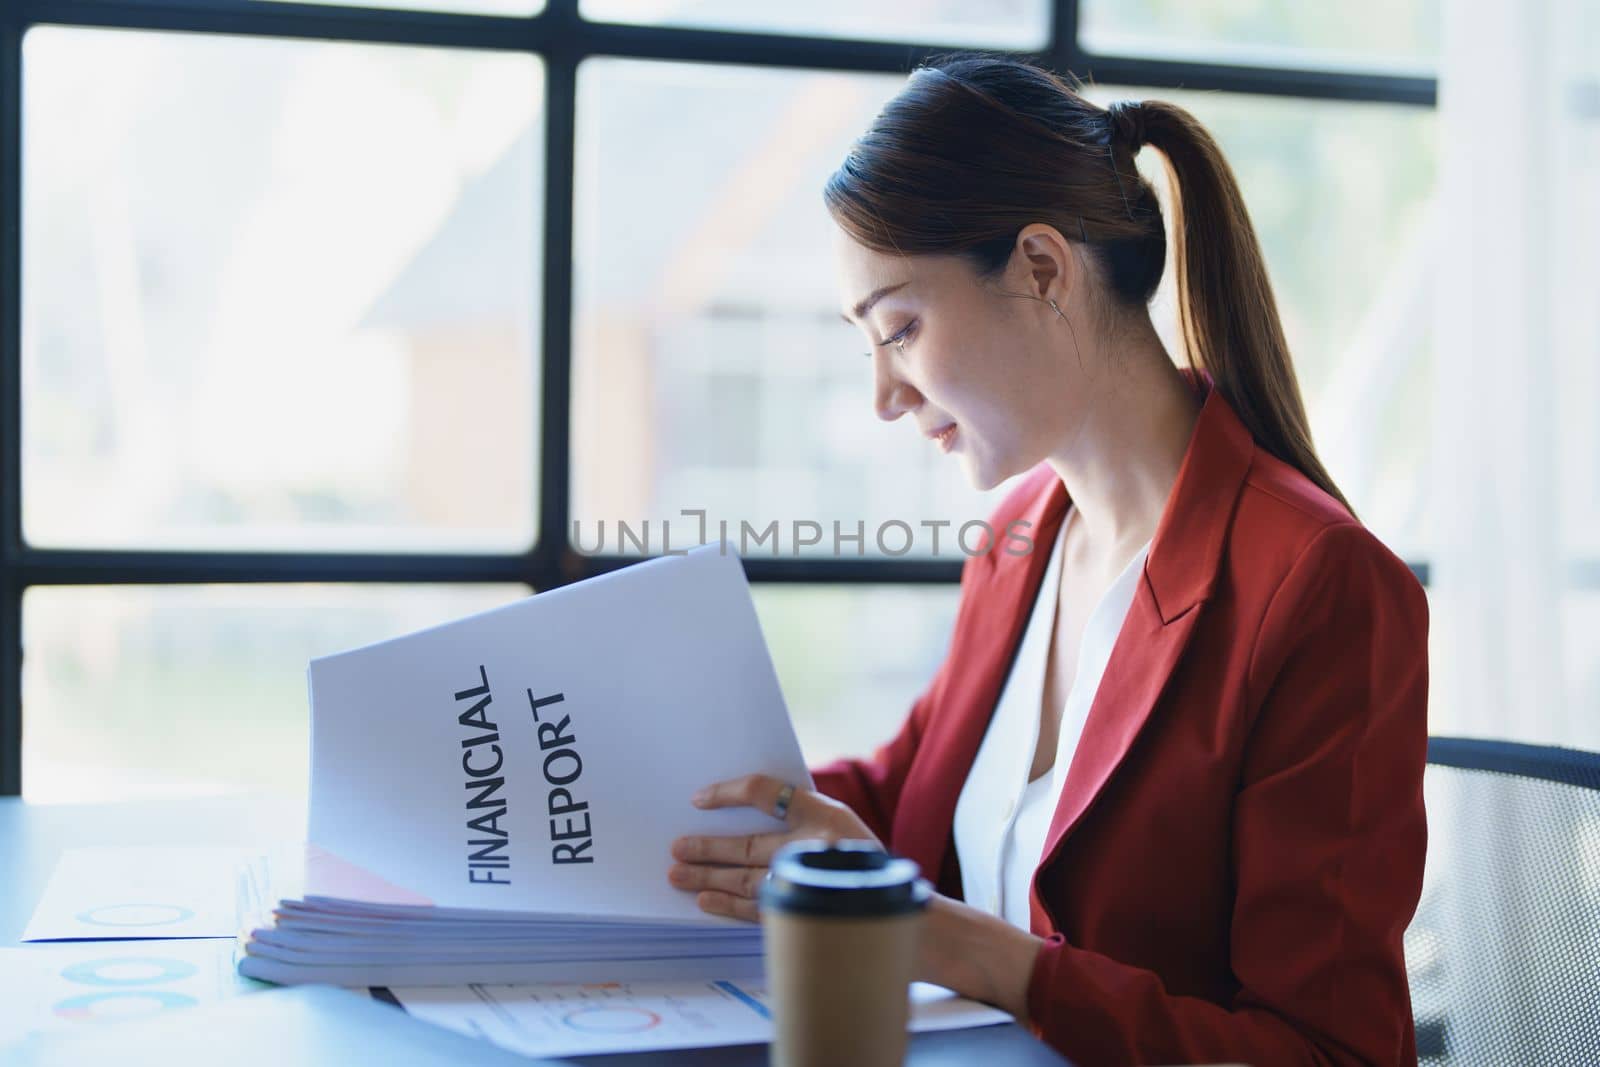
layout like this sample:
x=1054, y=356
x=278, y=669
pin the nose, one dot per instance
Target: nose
x=892, y=396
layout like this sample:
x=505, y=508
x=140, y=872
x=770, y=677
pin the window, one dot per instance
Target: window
x=1356, y=34
x=1019, y=24
x=322, y=323
x=278, y=294
x=139, y=690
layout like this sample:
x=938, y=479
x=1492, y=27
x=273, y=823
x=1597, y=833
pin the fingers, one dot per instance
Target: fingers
x=742, y=850
x=735, y=881
x=729, y=891
x=753, y=791
x=735, y=907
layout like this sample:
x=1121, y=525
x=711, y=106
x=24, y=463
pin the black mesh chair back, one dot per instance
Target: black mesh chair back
x=1504, y=951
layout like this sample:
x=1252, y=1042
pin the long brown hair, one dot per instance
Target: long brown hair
x=975, y=147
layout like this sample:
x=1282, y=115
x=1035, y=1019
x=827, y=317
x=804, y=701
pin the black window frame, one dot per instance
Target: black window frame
x=562, y=39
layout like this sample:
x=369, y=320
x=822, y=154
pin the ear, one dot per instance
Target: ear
x=1050, y=269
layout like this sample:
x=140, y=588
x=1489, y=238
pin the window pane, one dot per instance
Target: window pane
x=1347, y=233
x=1580, y=654
x=142, y=690
x=852, y=659
x=1356, y=34
x=996, y=24
x=278, y=294
x=711, y=368
x=1561, y=712
x=461, y=7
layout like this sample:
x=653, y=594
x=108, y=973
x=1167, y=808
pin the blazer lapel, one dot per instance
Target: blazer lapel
x=1180, y=572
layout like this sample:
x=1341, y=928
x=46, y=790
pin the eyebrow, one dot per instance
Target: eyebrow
x=866, y=305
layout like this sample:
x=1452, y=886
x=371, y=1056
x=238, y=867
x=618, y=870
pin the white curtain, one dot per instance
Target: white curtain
x=1516, y=573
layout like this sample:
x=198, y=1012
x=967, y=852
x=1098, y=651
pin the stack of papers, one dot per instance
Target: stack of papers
x=494, y=799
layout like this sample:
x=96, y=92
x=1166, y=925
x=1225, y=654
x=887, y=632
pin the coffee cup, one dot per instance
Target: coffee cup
x=840, y=923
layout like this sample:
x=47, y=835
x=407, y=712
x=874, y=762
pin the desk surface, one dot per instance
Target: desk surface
x=32, y=836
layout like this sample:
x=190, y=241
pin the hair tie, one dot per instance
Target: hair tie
x=1125, y=123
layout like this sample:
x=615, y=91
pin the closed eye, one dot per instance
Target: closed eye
x=900, y=337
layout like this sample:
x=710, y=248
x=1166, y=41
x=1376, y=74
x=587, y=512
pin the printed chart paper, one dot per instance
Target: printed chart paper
x=133, y=892
x=540, y=757
x=549, y=1019
x=60, y=986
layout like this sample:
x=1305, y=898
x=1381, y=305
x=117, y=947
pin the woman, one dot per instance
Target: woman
x=1168, y=780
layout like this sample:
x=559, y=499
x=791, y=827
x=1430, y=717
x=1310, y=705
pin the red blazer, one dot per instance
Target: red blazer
x=1238, y=845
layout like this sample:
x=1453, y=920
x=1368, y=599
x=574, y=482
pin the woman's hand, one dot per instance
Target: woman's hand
x=976, y=954
x=727, y=872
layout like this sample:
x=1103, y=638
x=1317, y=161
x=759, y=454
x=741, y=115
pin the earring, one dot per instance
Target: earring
x=1057, y=310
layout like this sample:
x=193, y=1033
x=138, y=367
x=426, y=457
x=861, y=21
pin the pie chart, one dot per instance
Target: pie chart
x=135, y=915
x=120, y=1004
x=612, y=1020
x=128, y=971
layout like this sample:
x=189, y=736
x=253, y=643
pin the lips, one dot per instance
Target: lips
x=944, y=436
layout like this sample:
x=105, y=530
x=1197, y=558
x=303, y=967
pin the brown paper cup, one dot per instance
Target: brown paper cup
x=841, y=925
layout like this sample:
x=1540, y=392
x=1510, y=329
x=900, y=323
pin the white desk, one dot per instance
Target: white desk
x=32, y=837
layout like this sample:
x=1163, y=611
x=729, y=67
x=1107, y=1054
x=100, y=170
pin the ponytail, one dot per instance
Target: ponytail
x=1226, y=309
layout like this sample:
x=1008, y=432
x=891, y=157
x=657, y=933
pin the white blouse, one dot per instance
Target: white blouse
x=1001, y=817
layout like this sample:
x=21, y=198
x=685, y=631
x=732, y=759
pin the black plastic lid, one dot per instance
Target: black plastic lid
x=848, y=878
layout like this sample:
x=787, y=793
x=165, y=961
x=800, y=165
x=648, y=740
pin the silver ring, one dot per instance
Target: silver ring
x=781, y=808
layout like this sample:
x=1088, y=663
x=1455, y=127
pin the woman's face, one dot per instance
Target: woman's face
x=979, y=368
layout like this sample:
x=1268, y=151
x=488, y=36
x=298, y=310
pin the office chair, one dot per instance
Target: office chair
x=1504, y=951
